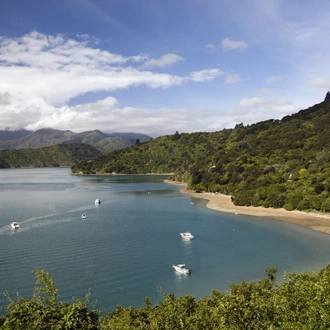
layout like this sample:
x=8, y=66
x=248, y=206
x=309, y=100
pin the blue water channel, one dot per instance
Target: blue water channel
x=125, y=248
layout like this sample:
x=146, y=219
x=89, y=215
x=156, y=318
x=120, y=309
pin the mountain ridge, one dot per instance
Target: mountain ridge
x=48, y=137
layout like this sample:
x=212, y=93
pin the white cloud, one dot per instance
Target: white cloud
x=256, y=109
x=5, y=99
x=108, y=117
x=58, y=69
x=19, y=111
x=272, y=79
x=322, y=82
x=232, y=78
x=163, y=61
x=250, y=102
x=39, y=74
x=204, y=75
x=229, y=44
x=56, y=53
x=211, y=47
x=268, y=108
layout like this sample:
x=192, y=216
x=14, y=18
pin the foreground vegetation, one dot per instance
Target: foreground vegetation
x=302, y=301
x=275, y=163
x=43, y=311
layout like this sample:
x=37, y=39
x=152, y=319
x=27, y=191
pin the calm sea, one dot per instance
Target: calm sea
x=125, y=248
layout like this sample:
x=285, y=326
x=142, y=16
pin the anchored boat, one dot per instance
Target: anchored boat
x=187, y=235
x=181, y=268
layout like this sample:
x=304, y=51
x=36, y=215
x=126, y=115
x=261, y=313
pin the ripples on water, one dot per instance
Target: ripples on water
x=125, y=249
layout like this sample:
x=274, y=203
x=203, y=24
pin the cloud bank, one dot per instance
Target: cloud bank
x=40, y=74
x=229, y=44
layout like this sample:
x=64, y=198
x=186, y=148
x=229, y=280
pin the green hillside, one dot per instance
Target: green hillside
x=274, y=163
x=65, y=154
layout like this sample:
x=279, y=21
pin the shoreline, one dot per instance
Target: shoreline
x=222, y=203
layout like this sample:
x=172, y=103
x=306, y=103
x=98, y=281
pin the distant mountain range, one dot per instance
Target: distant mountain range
x=47, y=137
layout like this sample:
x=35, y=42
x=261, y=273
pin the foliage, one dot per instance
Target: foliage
x=42, y=311
x=301, y=301
x=274, y=163
x=327, y=96
x=60, y=155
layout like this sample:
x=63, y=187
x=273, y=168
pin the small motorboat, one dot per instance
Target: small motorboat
x=181, y=268
x=84, y=216
x=187, y=236
x=14, y=225
x=97, y=201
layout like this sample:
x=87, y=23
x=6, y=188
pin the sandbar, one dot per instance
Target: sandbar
x=313, y=220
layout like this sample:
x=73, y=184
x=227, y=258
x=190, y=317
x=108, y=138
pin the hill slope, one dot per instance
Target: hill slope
x=274, y=163
x=49, y=137
x=65, y=154
x=12, y=135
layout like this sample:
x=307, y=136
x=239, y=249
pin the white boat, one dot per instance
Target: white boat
x=14, y=225
x=97, y=201
x=181, y=268
x=187, y=235
x=84, y=216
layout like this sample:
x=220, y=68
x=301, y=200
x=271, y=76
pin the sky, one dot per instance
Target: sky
x=156, y=66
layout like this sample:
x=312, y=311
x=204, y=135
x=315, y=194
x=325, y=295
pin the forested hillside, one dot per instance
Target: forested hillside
x=65, y=154
x=274, y=163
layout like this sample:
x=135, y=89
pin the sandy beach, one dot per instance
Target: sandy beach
x=315, y=221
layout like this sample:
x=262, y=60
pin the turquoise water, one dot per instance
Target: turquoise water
x=125, y=248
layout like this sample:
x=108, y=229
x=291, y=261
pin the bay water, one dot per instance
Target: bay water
x=125, y=248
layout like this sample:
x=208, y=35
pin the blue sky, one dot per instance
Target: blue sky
x=157, y=67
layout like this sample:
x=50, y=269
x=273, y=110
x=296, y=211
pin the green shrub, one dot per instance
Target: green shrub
x=43, y=312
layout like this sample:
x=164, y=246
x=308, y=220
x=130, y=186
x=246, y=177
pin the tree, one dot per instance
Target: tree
x=176, y=136
x=327, y=96
x=42, y=311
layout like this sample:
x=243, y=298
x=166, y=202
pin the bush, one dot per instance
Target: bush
x=300, y=302
x=199, y=188
x=42, y=311
x=288, y=207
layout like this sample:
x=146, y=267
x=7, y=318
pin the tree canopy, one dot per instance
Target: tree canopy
x=43, y=312
x=301, y=302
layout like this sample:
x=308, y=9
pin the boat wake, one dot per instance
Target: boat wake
x=45, y=220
